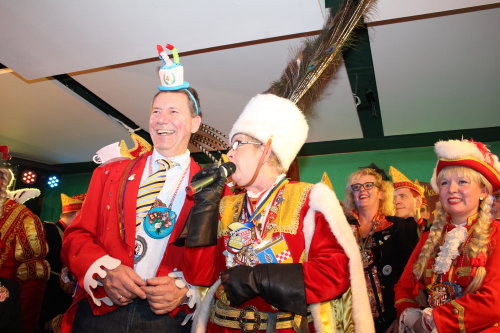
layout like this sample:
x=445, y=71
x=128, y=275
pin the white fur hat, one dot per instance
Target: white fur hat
x=268, y=116
x=470, y=154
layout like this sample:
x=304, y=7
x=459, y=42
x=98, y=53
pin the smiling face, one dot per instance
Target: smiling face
x=459, y=194
x=363, y=198
x=405, y=202
x=171, y=123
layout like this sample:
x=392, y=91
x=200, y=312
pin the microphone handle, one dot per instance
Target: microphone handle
x=200, y=184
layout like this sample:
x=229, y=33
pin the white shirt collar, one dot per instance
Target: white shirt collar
x=182, y=160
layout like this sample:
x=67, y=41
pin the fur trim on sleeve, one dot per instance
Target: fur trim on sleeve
x=324, y=200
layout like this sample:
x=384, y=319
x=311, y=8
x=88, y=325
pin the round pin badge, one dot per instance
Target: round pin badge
x=159, y=222
x=140, y=248
x=387, y=270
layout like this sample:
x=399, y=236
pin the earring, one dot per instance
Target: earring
x=481, y=198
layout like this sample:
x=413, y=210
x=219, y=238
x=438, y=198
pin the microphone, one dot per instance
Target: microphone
x=225, y=170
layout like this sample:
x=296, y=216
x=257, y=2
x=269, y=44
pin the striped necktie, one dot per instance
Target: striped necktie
x=148, y=191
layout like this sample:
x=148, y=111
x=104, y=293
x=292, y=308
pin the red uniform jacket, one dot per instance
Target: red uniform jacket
x=106, y=226
x=474, y=312
x=326, y=273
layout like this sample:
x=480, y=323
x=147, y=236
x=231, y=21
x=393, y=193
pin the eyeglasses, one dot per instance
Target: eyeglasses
x=237, y=143
x=367, y=186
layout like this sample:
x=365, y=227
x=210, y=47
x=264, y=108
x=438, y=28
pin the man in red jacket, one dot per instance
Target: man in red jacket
x=121, y=256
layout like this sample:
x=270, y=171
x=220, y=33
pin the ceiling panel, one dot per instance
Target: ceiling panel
x=44, y=122
x=226, y=80
x=54, y=37
x=439, y=73
x=432, y=74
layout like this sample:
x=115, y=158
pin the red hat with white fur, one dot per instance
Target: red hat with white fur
x=470, y=154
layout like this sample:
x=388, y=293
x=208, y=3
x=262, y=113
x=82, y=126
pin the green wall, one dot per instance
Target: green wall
x=71, y=184
x=415, y=163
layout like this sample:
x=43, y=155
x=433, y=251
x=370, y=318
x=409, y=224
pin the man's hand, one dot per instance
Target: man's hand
x=122, y=285
x=163, y=295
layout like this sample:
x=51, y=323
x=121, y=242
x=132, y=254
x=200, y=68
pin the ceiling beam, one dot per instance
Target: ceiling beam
x=99, y=103
x=359, y=64
x=488, y=134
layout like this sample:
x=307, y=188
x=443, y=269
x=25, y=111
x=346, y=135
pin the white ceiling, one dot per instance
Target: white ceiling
x=433, y=73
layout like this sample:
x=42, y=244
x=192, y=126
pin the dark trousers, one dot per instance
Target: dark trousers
x=135, y=317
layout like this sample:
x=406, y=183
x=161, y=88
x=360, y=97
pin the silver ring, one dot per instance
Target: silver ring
x=120, y=297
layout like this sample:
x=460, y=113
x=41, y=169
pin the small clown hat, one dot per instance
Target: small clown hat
x=470, y=154
x=72, y=204
x=400, y=180
x=171, y=73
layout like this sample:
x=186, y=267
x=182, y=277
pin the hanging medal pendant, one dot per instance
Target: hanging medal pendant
x=240, y=237
x=159, y=221
x=141, y=247
x=442, y=293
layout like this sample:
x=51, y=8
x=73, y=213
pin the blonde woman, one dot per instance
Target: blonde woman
x=385, y=241
x=452, y=280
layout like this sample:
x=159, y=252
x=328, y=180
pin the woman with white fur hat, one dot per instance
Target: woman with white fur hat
x=283, y=249
x=452, y=280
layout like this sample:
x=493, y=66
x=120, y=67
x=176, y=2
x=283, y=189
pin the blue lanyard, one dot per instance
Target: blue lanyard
x=258, y=211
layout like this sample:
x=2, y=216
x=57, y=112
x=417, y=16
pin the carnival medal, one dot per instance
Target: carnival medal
x=442, y=293
x=276, y=251
x=141, y=247
x=159, y=221
x=240, y=237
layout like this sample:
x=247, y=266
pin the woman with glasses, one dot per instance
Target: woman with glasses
x=283, y=250
x=452, y=280
x=385, y=241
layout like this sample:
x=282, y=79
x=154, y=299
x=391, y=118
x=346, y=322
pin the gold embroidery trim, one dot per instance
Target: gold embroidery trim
x=405, y=300
x=229, y=210
x=12, y=217
x=287, y=221
x=460, y=309
x=289, y=216
x=227, y=316
x=464, y=271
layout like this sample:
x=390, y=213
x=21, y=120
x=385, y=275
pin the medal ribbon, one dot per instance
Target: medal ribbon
x=262, y=206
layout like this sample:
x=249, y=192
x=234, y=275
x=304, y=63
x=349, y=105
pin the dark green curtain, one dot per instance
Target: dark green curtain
x=71, y=184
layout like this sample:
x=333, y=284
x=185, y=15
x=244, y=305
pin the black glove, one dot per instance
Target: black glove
x=281, y=285
x=202, y=222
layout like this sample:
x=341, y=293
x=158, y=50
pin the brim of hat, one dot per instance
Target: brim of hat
x=486, y=170
x=408, y=185
x=185, y=85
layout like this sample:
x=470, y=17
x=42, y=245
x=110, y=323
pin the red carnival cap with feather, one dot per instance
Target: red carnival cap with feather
x=470, y=154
